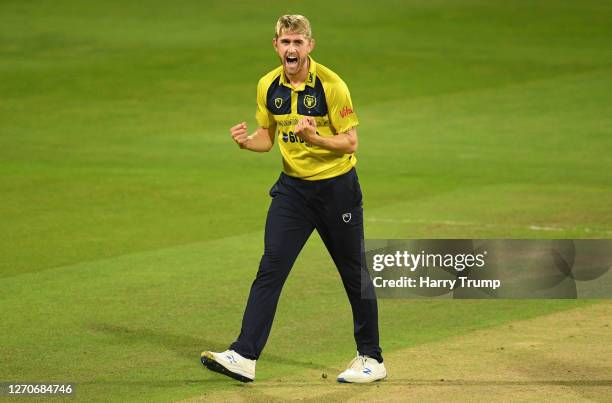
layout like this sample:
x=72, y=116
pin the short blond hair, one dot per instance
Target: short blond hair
x=293, y=23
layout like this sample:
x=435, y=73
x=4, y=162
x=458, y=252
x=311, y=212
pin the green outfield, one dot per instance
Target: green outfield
x=132, y=225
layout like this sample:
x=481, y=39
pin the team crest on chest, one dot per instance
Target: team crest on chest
x=278, y=102
x=310, y=101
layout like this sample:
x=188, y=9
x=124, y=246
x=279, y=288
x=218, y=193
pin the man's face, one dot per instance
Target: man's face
x=293, y=50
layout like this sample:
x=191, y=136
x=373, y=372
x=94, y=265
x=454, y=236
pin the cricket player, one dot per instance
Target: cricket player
x=309, y=109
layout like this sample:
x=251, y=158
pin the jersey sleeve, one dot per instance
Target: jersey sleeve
x=340, y=106
x=262, y=114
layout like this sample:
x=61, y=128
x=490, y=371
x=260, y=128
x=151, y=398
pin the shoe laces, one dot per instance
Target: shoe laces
x=358, y=362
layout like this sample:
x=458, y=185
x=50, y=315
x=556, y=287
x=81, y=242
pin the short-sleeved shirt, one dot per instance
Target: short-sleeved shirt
x=323, y=96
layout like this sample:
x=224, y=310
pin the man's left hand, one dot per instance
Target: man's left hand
x=306, y=129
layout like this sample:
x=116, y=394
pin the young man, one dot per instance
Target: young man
x=318, y=189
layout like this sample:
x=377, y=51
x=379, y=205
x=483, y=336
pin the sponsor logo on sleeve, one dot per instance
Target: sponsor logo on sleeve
x=346, y=111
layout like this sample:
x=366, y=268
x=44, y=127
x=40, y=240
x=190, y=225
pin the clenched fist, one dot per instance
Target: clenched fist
x=240, y=134
x=306, y=129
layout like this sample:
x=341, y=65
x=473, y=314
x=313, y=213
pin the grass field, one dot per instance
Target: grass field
x=132, y=226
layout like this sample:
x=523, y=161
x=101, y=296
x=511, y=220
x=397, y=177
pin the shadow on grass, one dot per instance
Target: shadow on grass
x=188, y=347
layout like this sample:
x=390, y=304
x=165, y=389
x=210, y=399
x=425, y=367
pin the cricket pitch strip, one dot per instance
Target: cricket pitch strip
x=564, y=356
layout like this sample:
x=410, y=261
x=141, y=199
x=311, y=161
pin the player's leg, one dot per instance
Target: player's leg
x=341, y=228
x=345, y=247
x=287, y=229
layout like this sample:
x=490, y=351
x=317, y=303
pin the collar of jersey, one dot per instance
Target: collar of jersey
x=310, y=79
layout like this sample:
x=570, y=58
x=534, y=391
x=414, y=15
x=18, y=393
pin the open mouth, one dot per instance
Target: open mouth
x=291, y=60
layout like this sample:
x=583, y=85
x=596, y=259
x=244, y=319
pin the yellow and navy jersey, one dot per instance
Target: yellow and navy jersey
x=326, y=98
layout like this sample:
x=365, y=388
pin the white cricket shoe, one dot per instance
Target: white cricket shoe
x=230, y=363
x=363, y=369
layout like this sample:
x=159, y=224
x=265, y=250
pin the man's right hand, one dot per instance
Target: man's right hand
x=240, y=134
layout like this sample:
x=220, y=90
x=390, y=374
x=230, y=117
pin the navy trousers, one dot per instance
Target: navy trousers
x=334, y=208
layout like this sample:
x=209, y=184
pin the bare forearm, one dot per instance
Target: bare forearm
x=345, y=143
x=259, y=142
